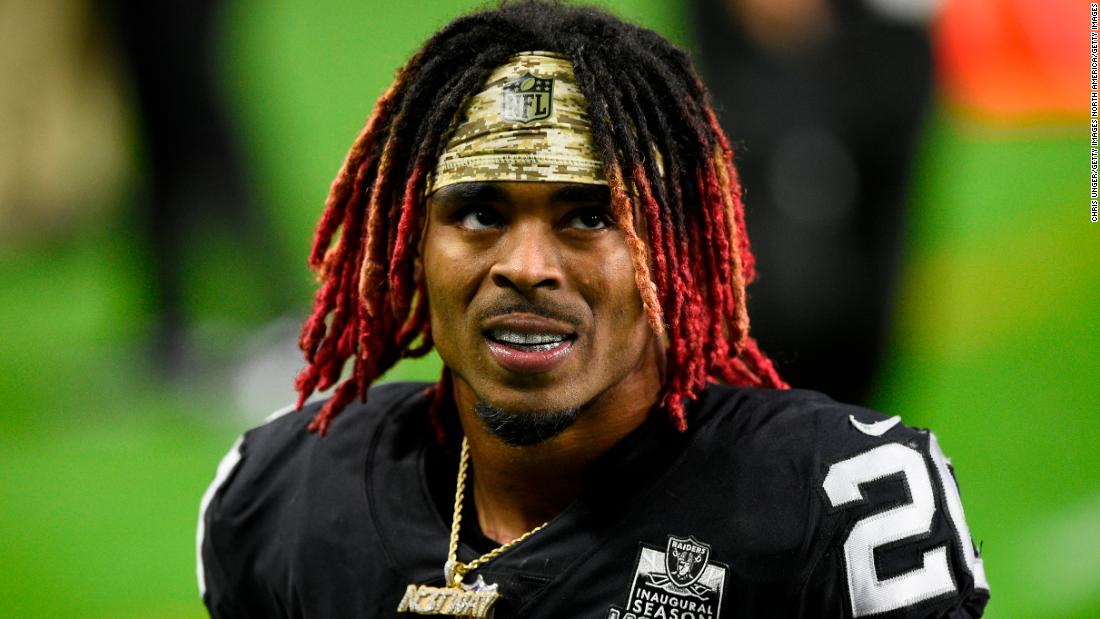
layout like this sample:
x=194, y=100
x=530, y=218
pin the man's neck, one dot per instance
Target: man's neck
x=517, y=488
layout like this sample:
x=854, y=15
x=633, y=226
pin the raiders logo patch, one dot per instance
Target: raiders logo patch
x=679, y=582
x=528, y=98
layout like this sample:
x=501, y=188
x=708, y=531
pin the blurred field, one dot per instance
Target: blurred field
x=102, y=462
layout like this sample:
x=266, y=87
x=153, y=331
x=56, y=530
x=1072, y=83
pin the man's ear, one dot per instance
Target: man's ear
x=418, y=269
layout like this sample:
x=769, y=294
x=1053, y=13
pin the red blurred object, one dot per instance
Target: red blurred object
x=1014, y=58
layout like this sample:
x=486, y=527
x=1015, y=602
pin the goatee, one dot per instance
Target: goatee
x=526, y=428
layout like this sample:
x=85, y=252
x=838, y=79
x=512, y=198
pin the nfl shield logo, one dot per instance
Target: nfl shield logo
x=685, y=559
x=527, y=98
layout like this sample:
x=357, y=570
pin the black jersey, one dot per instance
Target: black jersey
x=772, y=504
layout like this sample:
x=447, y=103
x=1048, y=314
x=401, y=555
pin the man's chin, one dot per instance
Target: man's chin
x=523, y=428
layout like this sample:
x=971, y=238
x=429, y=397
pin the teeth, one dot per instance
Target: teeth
x=542, y=347
x=526, y=339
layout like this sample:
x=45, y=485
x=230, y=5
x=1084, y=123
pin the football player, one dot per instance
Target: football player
x=545, y=197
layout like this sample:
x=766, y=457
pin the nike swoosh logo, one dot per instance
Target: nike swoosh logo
x=877, y=428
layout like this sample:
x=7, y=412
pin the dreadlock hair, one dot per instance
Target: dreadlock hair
x=643, y=97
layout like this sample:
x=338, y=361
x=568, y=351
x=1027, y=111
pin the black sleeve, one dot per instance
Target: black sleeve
x=275, y=488
x=214, y=583
x=892, y=539
x=237, y=538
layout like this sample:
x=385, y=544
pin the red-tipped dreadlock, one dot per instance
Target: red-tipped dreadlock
x=645, y=102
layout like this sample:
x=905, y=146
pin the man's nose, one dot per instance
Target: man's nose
x=529, y=258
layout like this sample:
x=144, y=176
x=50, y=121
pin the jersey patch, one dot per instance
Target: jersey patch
x=679, y=582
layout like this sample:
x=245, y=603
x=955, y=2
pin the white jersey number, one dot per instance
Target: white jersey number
x=868, y=593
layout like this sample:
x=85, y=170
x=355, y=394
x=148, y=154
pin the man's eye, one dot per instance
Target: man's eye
x=479, y=219
x=590, y=219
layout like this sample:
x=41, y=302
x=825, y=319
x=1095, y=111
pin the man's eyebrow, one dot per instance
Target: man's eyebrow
x=582, y=193
x=477, y=191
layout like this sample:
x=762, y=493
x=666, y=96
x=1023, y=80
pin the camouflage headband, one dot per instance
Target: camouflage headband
x=529, y=123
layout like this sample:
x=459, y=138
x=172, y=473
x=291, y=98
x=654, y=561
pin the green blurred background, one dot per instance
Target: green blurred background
x=103, y=458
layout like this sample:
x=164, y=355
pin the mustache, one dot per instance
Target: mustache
x=550, y=310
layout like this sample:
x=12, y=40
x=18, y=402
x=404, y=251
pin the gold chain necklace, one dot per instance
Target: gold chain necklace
x=456, y=597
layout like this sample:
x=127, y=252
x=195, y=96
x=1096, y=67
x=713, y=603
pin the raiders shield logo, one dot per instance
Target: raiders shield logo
x=528, y=98
x=680, y=582
x=685, y=559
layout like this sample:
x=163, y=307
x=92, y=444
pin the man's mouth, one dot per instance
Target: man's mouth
x=526, y=341
x=528, y=344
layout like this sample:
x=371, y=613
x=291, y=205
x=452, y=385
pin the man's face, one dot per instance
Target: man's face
x=534, y=305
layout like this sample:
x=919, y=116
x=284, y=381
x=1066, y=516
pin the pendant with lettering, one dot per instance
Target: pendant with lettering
x=458, y=598
x=475, y=600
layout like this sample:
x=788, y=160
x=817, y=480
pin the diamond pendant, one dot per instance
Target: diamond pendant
x=473, y=600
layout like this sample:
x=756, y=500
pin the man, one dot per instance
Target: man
x=544, y=195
